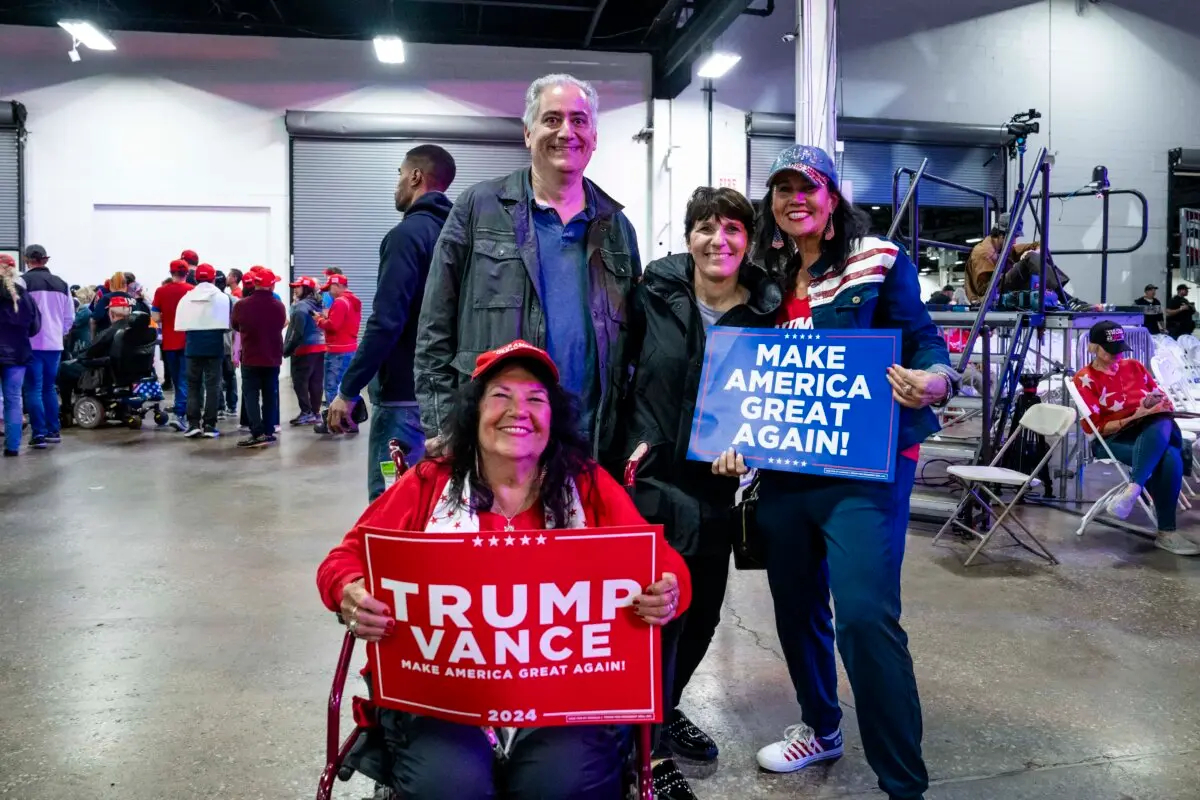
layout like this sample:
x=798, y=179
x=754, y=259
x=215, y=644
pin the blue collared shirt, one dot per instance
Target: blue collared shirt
x=570, y=338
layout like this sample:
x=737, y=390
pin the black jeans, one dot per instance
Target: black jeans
x=437, y=760
x=308, y=379
x=685, y=641
x=260, y=390
x=204, y=390
x=229, y=379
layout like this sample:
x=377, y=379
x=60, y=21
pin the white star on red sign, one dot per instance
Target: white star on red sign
x=508, y=540
x=541, y=539
x=493, y=541
x=524, y=540
x=478, y=540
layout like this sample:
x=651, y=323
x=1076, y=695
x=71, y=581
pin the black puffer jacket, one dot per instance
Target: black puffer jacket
x=667, y=343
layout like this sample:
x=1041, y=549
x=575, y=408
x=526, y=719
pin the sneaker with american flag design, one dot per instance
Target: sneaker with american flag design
x=799, y=748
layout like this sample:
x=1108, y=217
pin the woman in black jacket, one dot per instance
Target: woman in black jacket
x=680, y=298
x=19, y=321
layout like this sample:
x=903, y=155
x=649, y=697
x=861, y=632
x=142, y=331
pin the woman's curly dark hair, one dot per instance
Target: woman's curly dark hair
x=567, y=454
x=850, y=225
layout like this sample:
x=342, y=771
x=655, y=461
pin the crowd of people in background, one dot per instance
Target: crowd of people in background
x=52, y=332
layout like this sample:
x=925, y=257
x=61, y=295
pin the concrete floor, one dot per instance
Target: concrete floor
x=161, y=637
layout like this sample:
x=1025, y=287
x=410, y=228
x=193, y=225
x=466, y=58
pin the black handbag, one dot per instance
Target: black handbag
x=748, y=549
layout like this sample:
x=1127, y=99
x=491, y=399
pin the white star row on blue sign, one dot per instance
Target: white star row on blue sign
x=786, y=462
x=802, y=336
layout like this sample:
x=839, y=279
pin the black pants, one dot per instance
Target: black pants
x=685, y=641
x=710, y=575
x=204, y=390
x=229, y=379
x=260, y=390
x=308, y=379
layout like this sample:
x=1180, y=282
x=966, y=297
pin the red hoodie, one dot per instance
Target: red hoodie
x=341, y=324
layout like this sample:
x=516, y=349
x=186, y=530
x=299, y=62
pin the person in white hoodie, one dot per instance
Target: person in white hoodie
x=203, y=314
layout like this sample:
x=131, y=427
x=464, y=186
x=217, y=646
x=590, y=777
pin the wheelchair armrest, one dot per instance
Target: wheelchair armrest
x=95, y=362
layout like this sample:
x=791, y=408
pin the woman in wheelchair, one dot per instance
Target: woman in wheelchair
x=1133, y=416
x=514, y=459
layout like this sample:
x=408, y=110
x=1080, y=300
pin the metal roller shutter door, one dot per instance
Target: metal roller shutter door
x=343, y=199
x=10, y=197
x=869, y=166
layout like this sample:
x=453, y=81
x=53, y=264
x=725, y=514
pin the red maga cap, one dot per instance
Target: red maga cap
x=119, y=301
x=305, y=281
x=340, y=280
x=516, y=349
x=206, y=272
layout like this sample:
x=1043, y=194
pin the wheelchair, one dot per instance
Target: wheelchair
x=120, y=387
x=365, y=752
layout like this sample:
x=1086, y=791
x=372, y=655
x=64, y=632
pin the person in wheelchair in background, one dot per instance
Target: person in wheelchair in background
x=116, y=369
x=514, y=459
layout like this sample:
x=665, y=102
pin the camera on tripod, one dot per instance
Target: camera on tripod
x=1022, y=124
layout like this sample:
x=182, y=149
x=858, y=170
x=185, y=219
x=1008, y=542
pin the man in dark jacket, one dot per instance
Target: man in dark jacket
x=259, y=317
x=541, y=254
x=388, y=346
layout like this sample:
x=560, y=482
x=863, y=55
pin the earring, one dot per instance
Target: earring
x=777, y=241
x=829, y=232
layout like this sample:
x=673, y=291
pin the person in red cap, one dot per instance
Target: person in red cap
x=260, y=317
x=204, y=314
x=163, y=307
x=515, y=461
x=340, y=324
x=304, y=344
x=119, y=309
x=190, y=258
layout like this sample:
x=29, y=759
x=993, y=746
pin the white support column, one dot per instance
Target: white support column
x=816, y=74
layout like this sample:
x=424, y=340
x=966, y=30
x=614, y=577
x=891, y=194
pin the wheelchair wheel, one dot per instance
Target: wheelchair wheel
x=134, y=423
x=161, y=419
x=89, y=413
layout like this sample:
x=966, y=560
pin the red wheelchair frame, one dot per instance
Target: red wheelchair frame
x=337, y=751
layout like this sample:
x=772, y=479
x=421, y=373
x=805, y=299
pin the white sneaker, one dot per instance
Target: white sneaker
x=1174, y=542
x=799, y=748
x=193, y=432
x=1121, y=504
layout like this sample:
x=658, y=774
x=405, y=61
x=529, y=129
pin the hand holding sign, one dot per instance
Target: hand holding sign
x=366, y=617
x=916, y=388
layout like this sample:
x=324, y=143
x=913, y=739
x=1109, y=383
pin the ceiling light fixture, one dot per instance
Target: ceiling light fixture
x=976, y=240
x=389, y=49
x=86, y=34
x=715, y=65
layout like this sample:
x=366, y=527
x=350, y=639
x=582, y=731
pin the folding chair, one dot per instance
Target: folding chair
x=1045, y=419
x=1092, y=435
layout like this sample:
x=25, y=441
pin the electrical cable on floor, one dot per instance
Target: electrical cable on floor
x=943, y=483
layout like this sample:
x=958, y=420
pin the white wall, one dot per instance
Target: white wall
x=178, y=122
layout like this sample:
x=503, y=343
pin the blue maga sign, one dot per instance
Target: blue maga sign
x=800, y=401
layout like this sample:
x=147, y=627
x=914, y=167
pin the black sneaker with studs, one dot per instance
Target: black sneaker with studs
x=688, y=741
x=669, y=783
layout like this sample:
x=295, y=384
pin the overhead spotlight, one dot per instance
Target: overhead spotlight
x=715, y=65
x=790, y=36
x=86, y=34
x=73, y=54
x=389, y=49
x=1100, y=180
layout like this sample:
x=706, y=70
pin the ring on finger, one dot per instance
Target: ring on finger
x=352, y=625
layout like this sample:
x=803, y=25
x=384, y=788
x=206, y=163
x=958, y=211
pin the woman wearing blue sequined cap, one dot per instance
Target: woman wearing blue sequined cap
x=824, y=534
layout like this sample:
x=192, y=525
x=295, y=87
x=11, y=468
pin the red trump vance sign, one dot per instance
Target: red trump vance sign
x=517, y=628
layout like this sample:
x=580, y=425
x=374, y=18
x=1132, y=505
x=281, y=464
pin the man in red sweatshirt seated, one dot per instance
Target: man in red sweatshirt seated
x=340, y=323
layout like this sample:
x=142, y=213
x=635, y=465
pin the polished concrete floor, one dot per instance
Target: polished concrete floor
x=161, y=637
